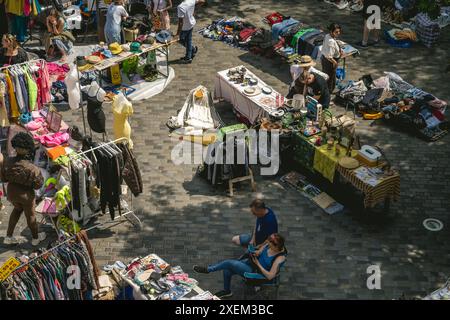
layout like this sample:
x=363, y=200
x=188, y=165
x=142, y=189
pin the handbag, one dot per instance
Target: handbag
x=48, y=207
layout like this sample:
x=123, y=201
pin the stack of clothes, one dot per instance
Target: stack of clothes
x=234, y=31
x=400, y=103
x=293, y=37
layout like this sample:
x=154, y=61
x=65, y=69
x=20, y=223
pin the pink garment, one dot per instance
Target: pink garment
x=177, y=277
x=57, y=70
x=27, y=8
x=55, y=139
x=44, y=84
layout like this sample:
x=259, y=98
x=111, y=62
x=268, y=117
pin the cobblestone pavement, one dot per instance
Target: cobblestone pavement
x=188, y=222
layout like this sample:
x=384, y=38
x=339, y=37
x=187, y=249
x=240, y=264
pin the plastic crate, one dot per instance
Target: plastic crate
x=397, y=43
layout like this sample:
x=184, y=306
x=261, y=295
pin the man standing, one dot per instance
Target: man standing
x=186, y=23
x=266, y=224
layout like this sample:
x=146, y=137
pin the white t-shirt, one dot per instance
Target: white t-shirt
x=116, y=12
x=186, y=11
x=330, y=48
x=159, y=4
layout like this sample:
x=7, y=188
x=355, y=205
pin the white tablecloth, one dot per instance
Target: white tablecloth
x=248, y=106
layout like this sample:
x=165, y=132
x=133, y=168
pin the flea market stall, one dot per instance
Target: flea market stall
x=398, y=102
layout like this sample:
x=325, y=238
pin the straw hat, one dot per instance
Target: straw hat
x=93, y=59
x=306, y=61
x=349, y=163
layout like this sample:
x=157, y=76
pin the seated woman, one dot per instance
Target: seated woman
x=266, y=260
x=11, y=53
x=58, y=38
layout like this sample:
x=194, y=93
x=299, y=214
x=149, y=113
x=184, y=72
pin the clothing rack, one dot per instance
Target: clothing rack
x=77, y=155
x=23, y=63
x=67, y=240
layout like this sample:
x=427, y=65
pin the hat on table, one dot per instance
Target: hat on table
x=93, y=59
x=115, y=48
x=306, y=61
x=135, y=47
x=82, y=63
x=163, y=36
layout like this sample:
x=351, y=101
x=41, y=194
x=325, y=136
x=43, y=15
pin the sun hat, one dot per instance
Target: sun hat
x=163, y=36
x=149, y=40
x=115, y=48
x=107, y=53
x=82, y=63
x=126, y=47
x=306, y=61
x=93, y=59
x=135, y=47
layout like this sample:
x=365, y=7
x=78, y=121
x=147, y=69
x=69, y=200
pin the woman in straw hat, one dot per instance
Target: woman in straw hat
x=304, y=64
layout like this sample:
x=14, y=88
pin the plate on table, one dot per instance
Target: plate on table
x=252, y=91
x=266, y=90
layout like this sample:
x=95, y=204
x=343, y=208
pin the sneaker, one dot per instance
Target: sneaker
x=223, y=294
x=361, y=45
x=41, y=237
x=200, y=269
x=10, y=240
x=186, y=61
x=194, y=52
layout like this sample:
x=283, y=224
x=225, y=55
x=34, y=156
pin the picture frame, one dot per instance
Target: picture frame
x=54, y=120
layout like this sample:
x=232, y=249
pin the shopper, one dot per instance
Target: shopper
x=58, y=37
x=369, y=24
x=11, y=52
x=316, y=87
x=23, y=178
x=266, y=261
x=186, y=23
x=114, y=16
x=161, y=8
x=266, y=224
x=331, y=52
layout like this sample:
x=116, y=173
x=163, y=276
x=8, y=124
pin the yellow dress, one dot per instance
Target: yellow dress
x=4, y=122
x=122, y=109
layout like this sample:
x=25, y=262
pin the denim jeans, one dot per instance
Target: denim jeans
x=186, y=41
x=230, y=268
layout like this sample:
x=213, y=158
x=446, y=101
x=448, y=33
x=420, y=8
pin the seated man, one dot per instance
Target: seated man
x=316, y=86
x=266, y=224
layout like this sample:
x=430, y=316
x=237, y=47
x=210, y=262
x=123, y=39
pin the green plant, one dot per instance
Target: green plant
x=431, y=7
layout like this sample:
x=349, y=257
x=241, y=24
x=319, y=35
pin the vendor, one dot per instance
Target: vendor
x=316, y=86
x=304, y=64
x=113, y=27
x=331, y=52
x=161, y=8
x=23, y=178
x=58, y=37
x=11, y=52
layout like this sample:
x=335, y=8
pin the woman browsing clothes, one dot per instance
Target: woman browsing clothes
x=23, y=178
x=11, y=52
x=266, y=260
x=161, y=8
x=331, y=53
